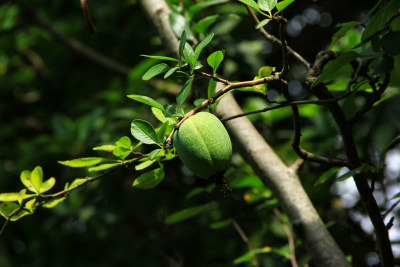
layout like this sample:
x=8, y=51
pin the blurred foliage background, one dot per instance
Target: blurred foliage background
x=57, y=104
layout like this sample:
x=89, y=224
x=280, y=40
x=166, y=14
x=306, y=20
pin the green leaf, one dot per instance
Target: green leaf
x=6, y=197
x=54, y=202
x=147, y=100
x=162, y=131
x=8, y=208
x=144, y=165
x=265, y=71
x=182, y=43
x=326, y=175
x=329, y=70
x=215, y=59
x=211, y=87
x=155, y=70
x=284, y=4
x=185, y=214
x=173, y=111
x=47, y=185
x=247, y=181
x=154, y=153
x=262, y=23
x=108, y=148
x=350, y=173
x=396, y=196
x=344, y=28
x=144, y=132
x=84, y=162
x=150, y=179
x=253, y=4
x=103, y=167
x=244, y=258
x=184, y=92
x=160, y=57
x=221, y=224
x=195, y=192
x=170, y=72
x=26, y=180
x=202, y=25
x=188, y=54
x=267, y=5
x=30, y=205
x=199, y=101
x=77, y=181
x=37, y=179
x=124, y=142
x=391, y=43
x=193, y=9
x=380, y=18
x=200, y=47
x=121, y=152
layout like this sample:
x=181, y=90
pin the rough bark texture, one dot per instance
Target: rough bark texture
x=282, y=179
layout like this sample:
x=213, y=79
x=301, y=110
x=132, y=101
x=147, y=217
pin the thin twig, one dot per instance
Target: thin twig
x=245, y=240
x=289, y=237
x=87, y=17
x=390, y=209
x=229, y=87
x=212, y=77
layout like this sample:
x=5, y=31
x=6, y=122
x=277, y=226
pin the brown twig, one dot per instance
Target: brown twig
x=245, y=240
x=229, y=87
x=289, y=237
x=212, y=77
x=87, y=17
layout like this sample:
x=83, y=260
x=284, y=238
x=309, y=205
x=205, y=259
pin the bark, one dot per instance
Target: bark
x=281, y=179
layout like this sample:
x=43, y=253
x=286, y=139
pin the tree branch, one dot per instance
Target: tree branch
x=345, y=128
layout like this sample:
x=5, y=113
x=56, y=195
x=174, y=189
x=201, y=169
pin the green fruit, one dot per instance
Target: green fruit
x=203, y=144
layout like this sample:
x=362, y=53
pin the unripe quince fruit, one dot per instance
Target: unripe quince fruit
x=203, y=144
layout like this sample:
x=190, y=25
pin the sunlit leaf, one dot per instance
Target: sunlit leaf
x=144, y=165
x=103, y=167
x=160, y=57
x=84, y=162
x=200, y=47
x=144, y=132
x=215, y=59
x=147, y=100
x=150, y=179
x=262, y=23
x=155, y=70
x=267, y=5
x=124, y=142
x=54, y=202
x=283, y=4
x=47, y=185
